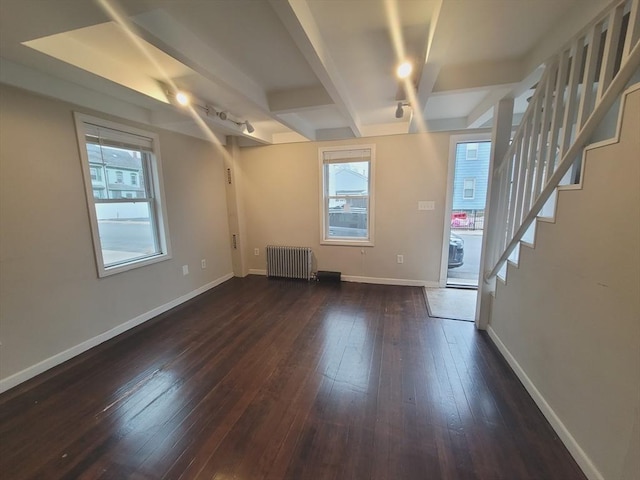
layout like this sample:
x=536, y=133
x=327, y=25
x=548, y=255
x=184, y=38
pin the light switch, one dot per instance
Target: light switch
x=426, y=205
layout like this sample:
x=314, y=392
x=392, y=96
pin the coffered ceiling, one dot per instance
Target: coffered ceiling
x=297, y=70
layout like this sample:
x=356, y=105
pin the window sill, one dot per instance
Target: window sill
x=125, y=267
x=347, y=243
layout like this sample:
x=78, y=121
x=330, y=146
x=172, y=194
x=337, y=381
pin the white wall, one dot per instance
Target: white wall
x=51, y=299
x=281, y=194
x=570, y=315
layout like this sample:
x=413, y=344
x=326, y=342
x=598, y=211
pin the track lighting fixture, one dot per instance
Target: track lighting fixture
x=184, y=99
x=400, y=110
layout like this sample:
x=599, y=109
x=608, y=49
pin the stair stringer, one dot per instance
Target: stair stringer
x=574, y=341
x=514, y=259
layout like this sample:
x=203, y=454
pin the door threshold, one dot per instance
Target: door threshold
x=461, y=286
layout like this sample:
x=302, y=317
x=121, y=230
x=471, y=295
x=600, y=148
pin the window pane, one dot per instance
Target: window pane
x=469, y=188
x=126, y=231
x=115, y=172
x=351, y=178
x=351, y=225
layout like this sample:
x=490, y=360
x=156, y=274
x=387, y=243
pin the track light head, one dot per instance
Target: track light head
x=399, y=111
x=250, y=128
x=182, y=98
x=404, y=69
x=222, y=115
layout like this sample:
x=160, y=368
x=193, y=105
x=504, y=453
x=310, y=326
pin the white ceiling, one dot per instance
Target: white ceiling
x=296, y=69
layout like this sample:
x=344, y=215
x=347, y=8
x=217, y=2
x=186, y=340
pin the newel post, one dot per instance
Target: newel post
x=500, y=138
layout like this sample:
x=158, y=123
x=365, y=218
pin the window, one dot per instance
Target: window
x=129, y=228
x=96, y=174
x=469, y=189
x=472, y=151
x=347, y=194
x=134, y=178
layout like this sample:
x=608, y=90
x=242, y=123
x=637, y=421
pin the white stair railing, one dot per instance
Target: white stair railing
x=578, y=87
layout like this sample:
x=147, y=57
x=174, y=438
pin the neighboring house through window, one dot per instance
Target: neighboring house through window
x=96, y=174
x=129, y=222
x=347, y=194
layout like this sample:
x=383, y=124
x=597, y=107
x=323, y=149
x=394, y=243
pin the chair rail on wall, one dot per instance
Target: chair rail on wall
x=579, y=85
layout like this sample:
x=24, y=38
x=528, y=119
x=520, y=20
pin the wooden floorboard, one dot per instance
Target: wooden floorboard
x=276, y=379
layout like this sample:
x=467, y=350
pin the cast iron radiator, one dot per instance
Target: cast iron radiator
x=289, y=262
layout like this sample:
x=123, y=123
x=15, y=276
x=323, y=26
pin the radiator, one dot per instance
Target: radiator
x=289, y=262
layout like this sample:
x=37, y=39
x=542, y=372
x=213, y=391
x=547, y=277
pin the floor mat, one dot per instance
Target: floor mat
x=454, y=303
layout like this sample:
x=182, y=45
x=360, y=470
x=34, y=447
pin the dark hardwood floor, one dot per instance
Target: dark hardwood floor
x=270, y=379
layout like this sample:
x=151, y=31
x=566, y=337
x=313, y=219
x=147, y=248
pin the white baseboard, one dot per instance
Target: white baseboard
x=389, y=281
x=55, y=360
x=373, y=280
x=572, y=445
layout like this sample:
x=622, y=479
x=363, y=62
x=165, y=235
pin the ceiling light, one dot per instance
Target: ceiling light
x=182, y=98
x=222, y=115
x=404, y=69
x=400, y=110
x=250, y=128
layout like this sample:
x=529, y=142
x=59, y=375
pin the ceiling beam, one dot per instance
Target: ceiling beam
x=439, y=38
x=301, y=25
x=164, y=32
x=303, y=126
x=483, y=112
x=28, y=78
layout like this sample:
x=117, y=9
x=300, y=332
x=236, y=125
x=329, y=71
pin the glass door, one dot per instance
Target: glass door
x=471, y=174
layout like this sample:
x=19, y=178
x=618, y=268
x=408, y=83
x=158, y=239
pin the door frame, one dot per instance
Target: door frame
x=454, y=140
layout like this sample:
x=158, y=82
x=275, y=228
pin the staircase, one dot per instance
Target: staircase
x=578, y=87
x=567, y=319
x=561, y=259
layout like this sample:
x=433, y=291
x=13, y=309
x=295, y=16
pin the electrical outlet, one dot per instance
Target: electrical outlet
x=203, y=262
x=400, y=258
x=256, y=251
x=185, y=269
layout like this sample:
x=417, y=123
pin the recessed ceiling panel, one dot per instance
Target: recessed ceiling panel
x=251, y=36
x=108, y=51
x=453, y=105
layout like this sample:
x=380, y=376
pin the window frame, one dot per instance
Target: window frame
x=324, y=197
x=152, y=168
